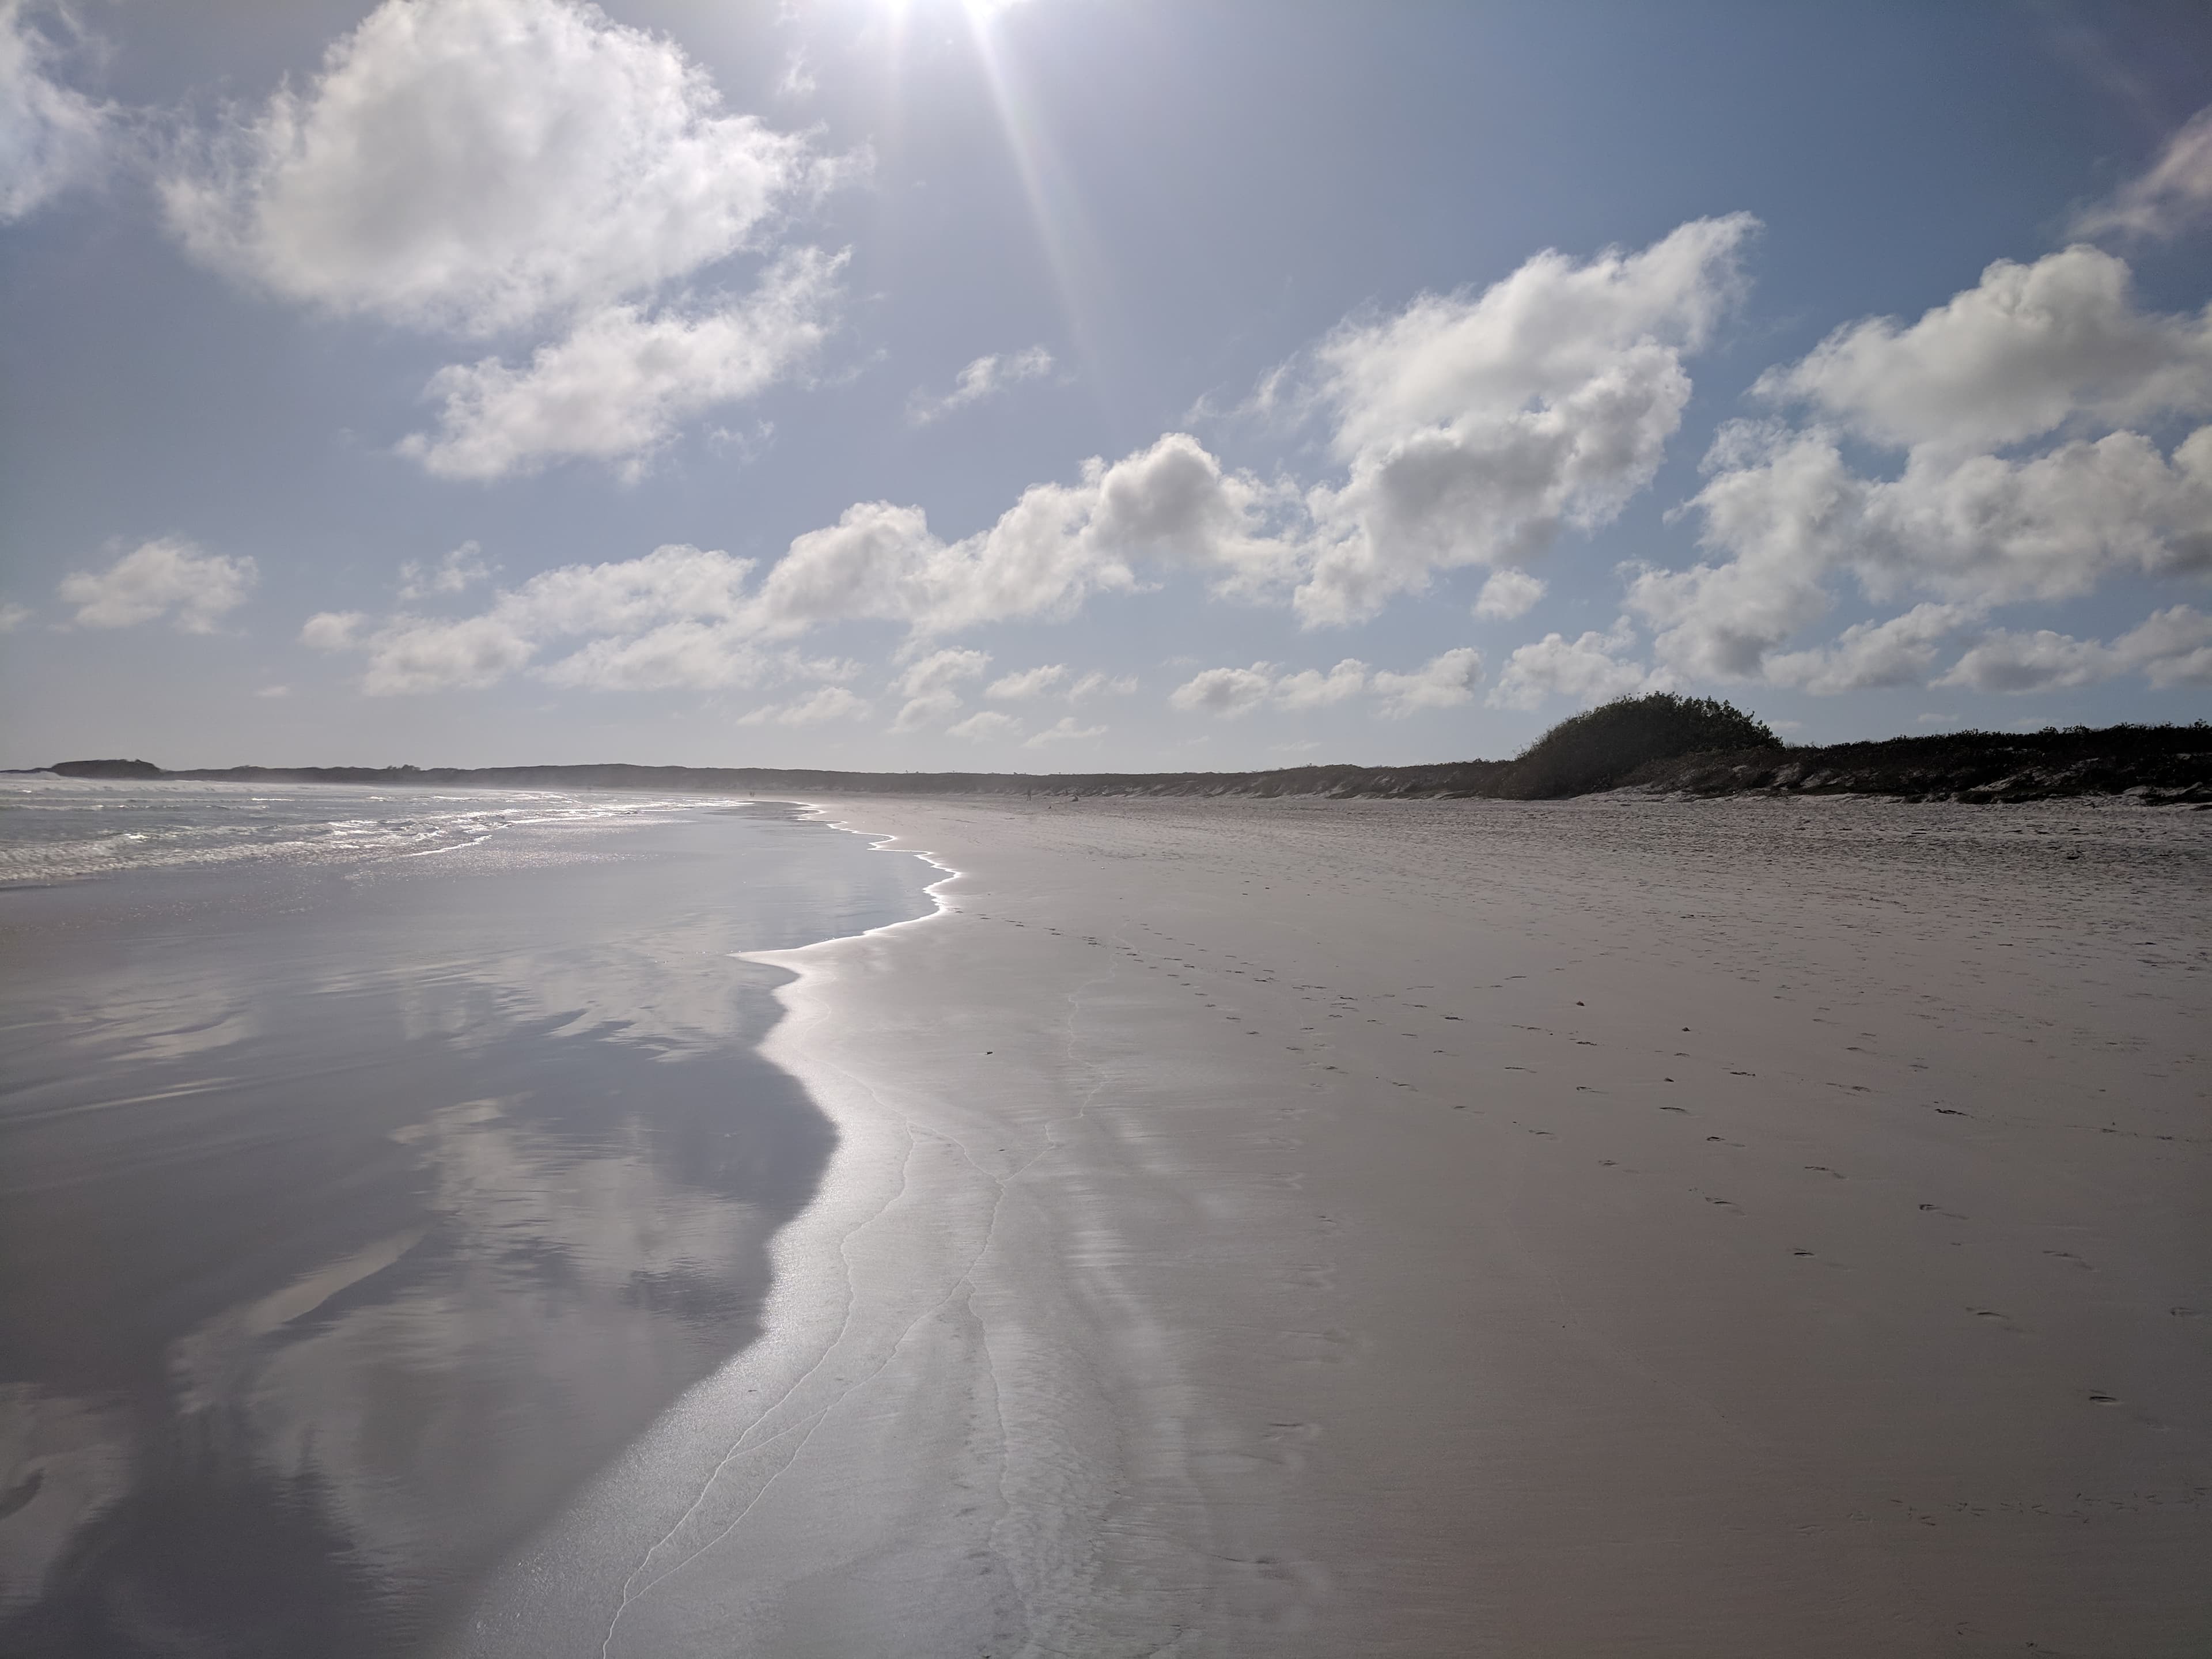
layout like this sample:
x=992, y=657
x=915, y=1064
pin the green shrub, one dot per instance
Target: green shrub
x=1599, y=747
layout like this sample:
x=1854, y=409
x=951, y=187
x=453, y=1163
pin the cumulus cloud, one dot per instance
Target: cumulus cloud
x=1475, y=429
x=1029, y=682
x=1057, y=545
x=2030, y=348
x=1097, y=684
x=414, y=654
x=1226, y=692
x=831, y=702
x=623, y=380
x=981, y=728
x=13, y=616
x=2170, y=648
x=51, y=136
x=1067, y=731
x=1899, y=652
x=1592, y=668
x=333, y=630
x=2173, y=195
x=984, y=378
x=459, y=571
x=2054, y=353
x=1312, y=689
x=1472, y=429
x=686, y=654
x=483, y=165
x=1507, y=594
x=927, y=686
x=674, y=618
x=164, y=577
x=1445, y=681
x=942, y=668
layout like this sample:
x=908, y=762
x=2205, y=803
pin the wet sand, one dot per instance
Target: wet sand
x=1387, y=1228
x=352, y=1215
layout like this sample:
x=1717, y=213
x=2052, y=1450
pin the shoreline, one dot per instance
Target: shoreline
x=410, y=1193
x=1252, y=1246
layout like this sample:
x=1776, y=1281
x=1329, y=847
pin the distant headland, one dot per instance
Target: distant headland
x=1659, y=744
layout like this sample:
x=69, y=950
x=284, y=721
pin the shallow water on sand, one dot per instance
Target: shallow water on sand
x=356, y=1207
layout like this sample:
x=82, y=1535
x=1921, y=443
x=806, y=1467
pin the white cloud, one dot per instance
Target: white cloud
x=674, y=618
x=2172, y=647
x=1447, y=681
x=1475, y=429
x=51, y=136
x=274, y=692
x=333, y=630
x=483, y=165
x=2169, y=648
x=459, y=571
x=1899, y=652
x=831, y=702
x=1591, y=669
x=1312, y=689
x=927, y=685
x=1977, y=531
x=158, y=578
x=1228, y=693
x=2056, y=351
x=1507, y=594
x=685, y=654
x=13, y=616
x=981, y=379
x=934, y=709
x=410, y=655
x=1054, y=548
x=623, y=380
x=1099, y=684
x=981, y=727
x=1066, y=731
x=2174, y=194
x=2027, y=350
x=941, y=669
x=1566, y=373
x=1029, y=682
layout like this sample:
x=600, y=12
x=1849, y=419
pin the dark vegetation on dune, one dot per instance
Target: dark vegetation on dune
x=1600, y=747
x=1658, y=744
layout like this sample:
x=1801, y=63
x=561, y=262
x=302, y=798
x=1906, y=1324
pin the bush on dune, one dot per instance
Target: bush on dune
x=1600, y=747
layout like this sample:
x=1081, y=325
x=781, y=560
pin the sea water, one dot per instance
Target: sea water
x=374, y=1166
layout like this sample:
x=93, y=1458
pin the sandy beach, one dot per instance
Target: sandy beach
x=1604, y=1228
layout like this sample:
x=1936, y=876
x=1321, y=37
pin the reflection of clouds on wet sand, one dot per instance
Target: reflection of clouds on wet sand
x=347, y=1225
x=674, y=992
x=560, y=1296
x=62, y=1462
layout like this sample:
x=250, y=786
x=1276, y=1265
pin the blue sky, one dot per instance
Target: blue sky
x=1069, y=385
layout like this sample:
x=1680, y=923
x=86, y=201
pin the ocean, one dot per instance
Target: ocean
x=375, y=1166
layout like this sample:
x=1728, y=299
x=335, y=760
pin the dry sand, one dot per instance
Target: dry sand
x=1748, y=1228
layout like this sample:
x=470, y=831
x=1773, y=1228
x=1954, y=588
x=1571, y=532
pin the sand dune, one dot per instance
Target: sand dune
x=1747, y=1227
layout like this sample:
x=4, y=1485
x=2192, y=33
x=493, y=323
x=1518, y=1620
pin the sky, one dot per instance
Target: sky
x=1072, y=386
